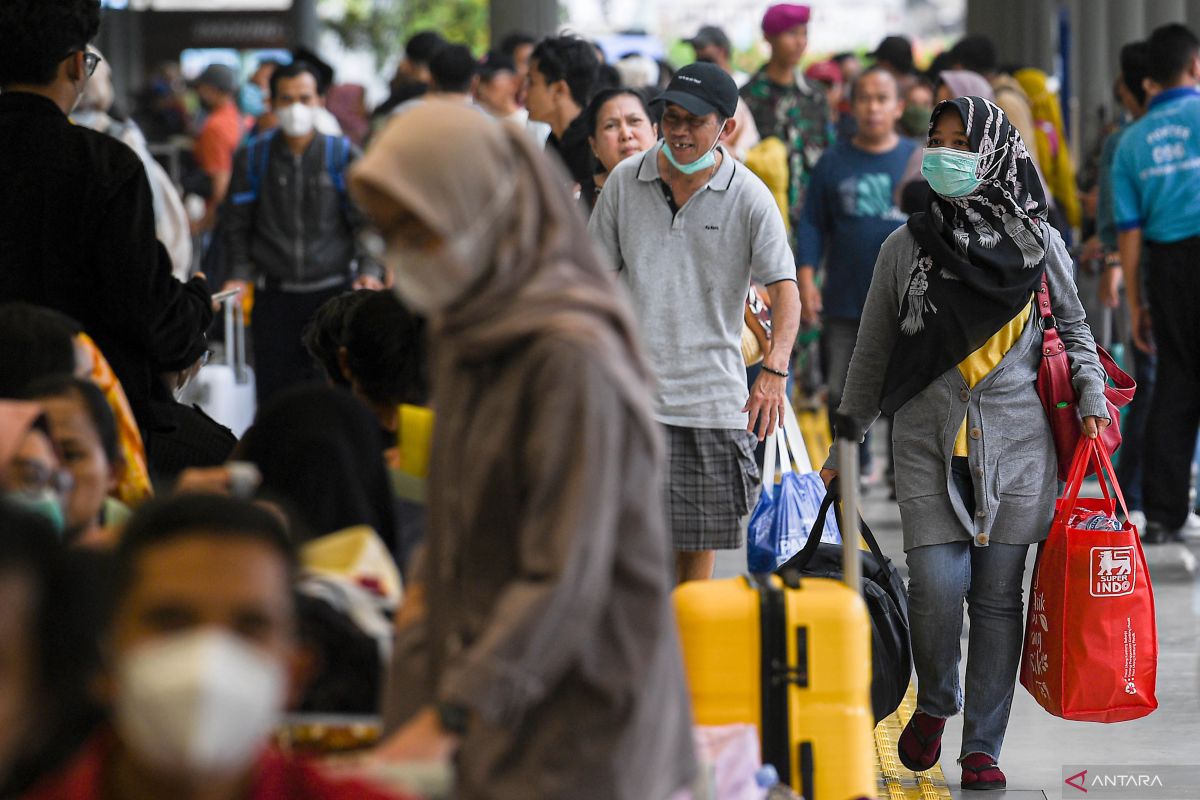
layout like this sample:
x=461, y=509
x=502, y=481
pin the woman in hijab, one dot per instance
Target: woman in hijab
x=950, y=344
x=1052, y=148
x=912, y=192
x=539, y=635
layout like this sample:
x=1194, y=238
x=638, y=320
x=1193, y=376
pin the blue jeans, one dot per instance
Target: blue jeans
x=940, y=578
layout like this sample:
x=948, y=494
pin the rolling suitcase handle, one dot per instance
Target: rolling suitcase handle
x=847, y=460
x=235, y=333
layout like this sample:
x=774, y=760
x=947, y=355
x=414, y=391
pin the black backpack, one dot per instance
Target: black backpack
x=886, y=599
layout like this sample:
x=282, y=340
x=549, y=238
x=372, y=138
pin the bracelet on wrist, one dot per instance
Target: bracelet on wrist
x=774, y=371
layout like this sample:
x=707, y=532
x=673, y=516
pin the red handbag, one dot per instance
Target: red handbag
x=1057, y=393
x=1091, y=647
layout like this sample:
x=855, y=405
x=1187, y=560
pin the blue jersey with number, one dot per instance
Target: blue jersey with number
x=1156, y=172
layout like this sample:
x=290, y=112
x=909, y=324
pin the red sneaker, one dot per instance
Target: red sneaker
x=920, y=745
x=979, y=772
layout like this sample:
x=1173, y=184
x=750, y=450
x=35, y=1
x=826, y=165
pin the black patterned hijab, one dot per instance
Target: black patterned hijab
x=979, y=257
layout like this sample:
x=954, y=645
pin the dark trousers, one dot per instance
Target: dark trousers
x=1173, y=288
x=838, y=337
x=280, y=359
x=1132, y=455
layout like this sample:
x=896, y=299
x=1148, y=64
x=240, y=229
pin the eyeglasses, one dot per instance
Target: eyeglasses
x=90, y=60
x=33, y=478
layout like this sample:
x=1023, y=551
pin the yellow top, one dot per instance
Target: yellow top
x=976, y=366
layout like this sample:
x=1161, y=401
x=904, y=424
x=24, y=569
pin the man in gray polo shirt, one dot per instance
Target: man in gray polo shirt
x=687, y=226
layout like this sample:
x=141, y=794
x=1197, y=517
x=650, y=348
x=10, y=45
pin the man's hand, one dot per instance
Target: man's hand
x=1093, y=425
x=1108, y=291
x=810, y=304
x=421, y=739
x=828, y=476
x=242, y=286
x=765, y=405
x=368, y=282
x=810, y=295
x=1141, y=328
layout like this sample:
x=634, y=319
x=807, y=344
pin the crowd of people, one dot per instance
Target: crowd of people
x=564, y=263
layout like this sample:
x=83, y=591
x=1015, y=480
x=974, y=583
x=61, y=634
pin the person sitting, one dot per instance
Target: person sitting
x=84, y=433
x=382, y=357
x=202, y=658
x=30, y=472
x=48, y=618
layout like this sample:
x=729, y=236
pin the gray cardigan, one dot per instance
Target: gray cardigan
x=1013, y=465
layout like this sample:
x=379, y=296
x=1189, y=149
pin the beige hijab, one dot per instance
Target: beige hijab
x=447, y=163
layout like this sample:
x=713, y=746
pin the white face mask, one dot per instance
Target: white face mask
x=429, y=281
x=200, y=703
x=297, y=119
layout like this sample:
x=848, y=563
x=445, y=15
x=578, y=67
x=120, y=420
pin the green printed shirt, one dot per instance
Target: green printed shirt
x=799, y=116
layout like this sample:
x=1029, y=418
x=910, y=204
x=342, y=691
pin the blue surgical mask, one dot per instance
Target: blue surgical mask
x=951, y=173
x=47, y=503
x=702, y=163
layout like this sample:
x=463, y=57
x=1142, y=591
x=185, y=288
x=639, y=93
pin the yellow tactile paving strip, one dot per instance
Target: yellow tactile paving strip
x=895, y=781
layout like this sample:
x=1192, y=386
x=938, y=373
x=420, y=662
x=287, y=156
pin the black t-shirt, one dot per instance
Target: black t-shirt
x=575, y=151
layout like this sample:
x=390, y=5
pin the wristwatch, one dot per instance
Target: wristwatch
x=452, y=717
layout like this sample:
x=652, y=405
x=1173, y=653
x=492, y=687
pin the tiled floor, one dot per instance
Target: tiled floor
x=1039, y=745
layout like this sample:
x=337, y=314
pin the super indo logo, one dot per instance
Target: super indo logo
x=1113, y=574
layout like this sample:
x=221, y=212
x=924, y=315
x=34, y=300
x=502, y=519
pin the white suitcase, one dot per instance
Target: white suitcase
x=225, y=391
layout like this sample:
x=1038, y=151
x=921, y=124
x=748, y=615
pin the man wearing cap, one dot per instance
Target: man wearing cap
x=219, y=138
x=712, y=45
x=686, y=227
x=783, y=103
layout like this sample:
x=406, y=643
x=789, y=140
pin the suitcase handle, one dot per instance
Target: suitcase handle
x=847, y=450
x=235, y=334
x=797, y=563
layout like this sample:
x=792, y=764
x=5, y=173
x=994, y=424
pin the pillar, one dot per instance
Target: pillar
x=1126, y=23
x=537, y=17
x=1096, y=67
x=307, y=26
x=1041, y=34
x=1162, y=12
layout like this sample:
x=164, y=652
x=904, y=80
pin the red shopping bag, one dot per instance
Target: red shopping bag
x=1091, y=648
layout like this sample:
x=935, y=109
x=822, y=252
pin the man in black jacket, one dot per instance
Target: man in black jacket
x=292, y=229
x=562, y=76
x=76, y=212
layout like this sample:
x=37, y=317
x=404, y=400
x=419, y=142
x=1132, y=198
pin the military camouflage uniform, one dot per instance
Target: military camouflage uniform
x=799, y=116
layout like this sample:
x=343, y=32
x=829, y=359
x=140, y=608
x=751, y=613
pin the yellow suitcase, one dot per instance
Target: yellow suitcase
x=794, y=660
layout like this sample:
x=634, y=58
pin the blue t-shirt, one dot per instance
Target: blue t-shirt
x=1156, y=171
x=848, y=211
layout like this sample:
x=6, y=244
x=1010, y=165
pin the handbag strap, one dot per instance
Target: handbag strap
x=1123, y=387
x=784, y=447
x=799, y=561
x=1087, y=452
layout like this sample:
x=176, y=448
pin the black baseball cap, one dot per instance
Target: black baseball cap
x=701, y=89
x=710, y=35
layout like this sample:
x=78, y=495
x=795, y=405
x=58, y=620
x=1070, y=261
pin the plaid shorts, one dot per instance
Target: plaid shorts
x=712, y=476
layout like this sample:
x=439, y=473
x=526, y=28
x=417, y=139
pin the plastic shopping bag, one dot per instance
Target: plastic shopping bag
x=1091, y=647
x=786, y=509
